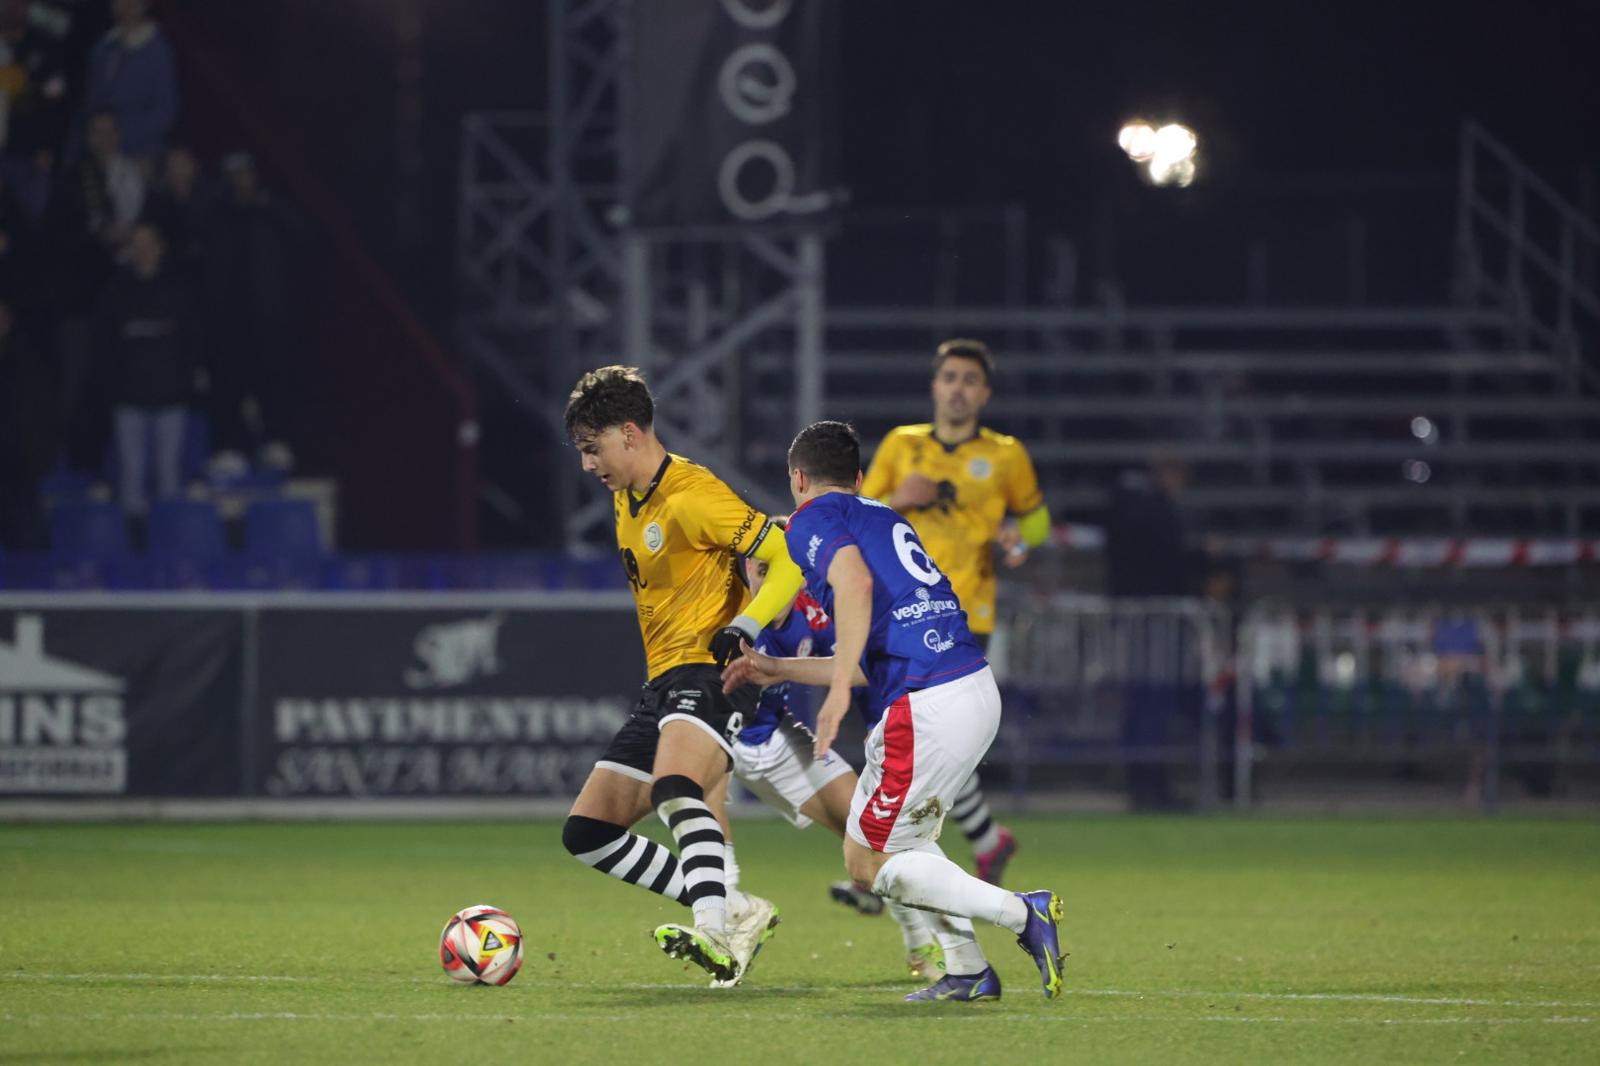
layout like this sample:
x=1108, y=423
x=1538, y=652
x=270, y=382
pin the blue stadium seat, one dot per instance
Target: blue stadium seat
x=184, y=543
x=62, y=486
x=88, y=546
x=88, y=529
x=282, y=529
x=282, y=545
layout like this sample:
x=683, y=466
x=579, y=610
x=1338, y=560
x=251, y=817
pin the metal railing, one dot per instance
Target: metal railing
x=1164, y=695
x=1128, y=683
x=1527, y=250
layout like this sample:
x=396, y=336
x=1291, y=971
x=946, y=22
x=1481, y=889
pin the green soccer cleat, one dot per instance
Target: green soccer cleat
x=926, y=963
x=707, y=950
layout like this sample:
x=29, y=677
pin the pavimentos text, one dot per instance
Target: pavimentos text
x=133, y=697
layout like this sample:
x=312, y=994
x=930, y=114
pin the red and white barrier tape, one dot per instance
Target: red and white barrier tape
x=1408, y=552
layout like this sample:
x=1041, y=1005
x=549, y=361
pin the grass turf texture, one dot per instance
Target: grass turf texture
x=1191, y=940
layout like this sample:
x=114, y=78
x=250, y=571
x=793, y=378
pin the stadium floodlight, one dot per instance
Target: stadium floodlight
x=1165, y=153
x=1416, y=471
x=1138, y=139
x=1423, y=429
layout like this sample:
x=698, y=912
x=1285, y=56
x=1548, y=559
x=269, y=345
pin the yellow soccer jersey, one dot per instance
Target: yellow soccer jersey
x=980, y=480
x=680, y=544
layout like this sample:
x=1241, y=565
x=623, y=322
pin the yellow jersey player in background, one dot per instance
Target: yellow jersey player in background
x=681, y=534
x=958, y=483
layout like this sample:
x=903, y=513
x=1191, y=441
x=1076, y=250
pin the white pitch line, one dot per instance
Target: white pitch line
x=1335, y=997
x=642, y=986
x=978, y=1015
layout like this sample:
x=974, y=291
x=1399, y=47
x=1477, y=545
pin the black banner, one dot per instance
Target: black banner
x=119, y=702
x=422, y=702
x=728, y=111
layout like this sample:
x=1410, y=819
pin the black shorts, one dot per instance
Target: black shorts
x=692, y=691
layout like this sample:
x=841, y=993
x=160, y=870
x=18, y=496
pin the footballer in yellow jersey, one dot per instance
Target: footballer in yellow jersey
x=978, y=482
x=682, y=543
x=958, y=482
x=681, y=534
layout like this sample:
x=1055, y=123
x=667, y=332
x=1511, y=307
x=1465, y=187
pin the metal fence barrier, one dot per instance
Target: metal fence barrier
x=1172, y=692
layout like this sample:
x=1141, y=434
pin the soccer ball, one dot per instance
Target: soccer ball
x=481, y=945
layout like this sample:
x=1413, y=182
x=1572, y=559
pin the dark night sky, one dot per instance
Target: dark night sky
x=994, y=101
x=945, y=102
x=951, y=100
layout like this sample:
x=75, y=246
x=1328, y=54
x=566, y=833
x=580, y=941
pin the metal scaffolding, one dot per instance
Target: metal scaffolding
x=555, y=282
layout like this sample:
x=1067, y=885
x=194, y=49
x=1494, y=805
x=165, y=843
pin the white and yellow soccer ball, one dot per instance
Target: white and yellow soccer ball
x=481, y=945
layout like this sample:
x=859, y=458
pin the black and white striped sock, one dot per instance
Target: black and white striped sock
x=681, y=804
x=613, y=850
x=972, y=815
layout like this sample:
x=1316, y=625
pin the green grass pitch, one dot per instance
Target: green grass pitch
x=1191, y=940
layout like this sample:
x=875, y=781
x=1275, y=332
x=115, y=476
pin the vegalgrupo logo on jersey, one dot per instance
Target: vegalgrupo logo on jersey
x=924, y=606
x=812, y=547
x=454, y=653
x=62, y=724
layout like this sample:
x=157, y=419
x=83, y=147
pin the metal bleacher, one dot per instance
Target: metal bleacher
x=1290, y=420
x=1476, y=410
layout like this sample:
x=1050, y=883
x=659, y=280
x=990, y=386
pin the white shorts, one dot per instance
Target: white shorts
x=783, y=773
x=918, y=757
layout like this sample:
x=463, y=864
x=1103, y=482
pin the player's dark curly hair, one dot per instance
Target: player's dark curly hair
x=609, y=397
x=966, y=348
x=829, y=452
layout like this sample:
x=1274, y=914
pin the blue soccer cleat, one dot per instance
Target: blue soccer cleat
x=1041, y=939
x=960, y=988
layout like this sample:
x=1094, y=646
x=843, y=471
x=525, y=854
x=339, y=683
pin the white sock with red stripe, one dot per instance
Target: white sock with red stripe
x=924, y=878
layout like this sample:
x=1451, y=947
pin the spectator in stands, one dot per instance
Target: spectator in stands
x=96, y=201
x=247, y=287
x=177, y=206
x=1146, y=557
x=1145, y=550
x=131, y=74
x=146, y=336
x=33, y=83
x=27, y=433
x=102, y=195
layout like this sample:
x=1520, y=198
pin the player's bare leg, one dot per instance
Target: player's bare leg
x=597, y=834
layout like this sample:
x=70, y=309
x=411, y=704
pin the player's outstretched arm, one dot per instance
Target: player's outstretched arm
x=755, y=668
x=851, y=582
x=782, y=585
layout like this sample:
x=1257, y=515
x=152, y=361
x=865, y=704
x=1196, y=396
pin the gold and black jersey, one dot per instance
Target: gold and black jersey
x=981, y=480
x=680, y=543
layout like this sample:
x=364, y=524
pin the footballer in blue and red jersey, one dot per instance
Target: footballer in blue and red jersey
x=919, y=636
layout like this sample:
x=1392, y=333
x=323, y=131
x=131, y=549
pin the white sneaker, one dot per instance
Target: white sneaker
x=748, y=928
